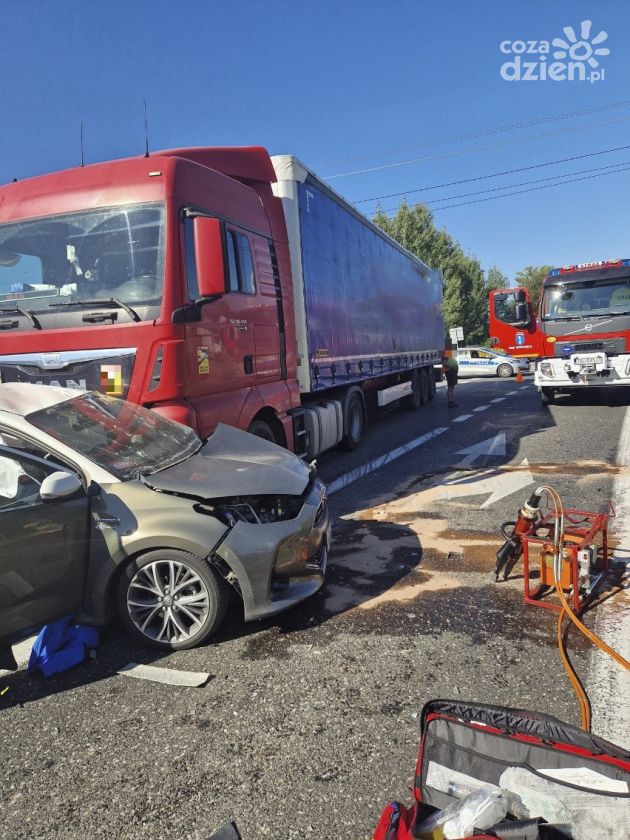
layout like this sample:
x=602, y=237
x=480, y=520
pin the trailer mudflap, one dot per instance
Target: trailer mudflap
x=565, y=782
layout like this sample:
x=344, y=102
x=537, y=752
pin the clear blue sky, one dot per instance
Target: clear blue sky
x=327, y=80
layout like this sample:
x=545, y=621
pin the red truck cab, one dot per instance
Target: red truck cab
x=101, y=286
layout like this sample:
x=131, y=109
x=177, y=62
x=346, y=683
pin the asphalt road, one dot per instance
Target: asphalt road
x=308, y=726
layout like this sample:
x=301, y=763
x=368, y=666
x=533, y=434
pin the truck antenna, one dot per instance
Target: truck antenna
x=82, y=160
x=146, y=131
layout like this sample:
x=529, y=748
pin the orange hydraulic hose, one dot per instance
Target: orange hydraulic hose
x=585, y=706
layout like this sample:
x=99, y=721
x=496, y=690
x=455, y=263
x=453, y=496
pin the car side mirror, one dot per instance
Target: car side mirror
x=209, y=257
x=59, y=485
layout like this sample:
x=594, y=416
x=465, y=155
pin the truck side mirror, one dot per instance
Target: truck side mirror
x=522, y=316
x=520, y=296
x=209, y=257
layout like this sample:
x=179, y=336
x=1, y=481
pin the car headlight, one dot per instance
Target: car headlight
x=545, y=369
x=256, y=510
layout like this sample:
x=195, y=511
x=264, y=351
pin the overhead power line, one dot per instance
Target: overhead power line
x=521, y=192
x=495, y=174
x=472, y=135
x=533, y=181
x=470, y=150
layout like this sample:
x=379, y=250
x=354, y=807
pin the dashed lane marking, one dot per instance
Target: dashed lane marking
x=481, y=408
x=497, y=400
x=461, y=418
x=387, y=458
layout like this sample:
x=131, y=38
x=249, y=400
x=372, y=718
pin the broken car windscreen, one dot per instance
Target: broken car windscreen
x=114, y=252
x=120, y=437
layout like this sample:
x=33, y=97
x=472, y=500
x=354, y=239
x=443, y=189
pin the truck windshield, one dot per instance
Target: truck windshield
x=122, y=438
x=114, y=252
x=586, y=299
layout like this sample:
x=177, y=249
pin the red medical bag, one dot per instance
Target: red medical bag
x=568, y=783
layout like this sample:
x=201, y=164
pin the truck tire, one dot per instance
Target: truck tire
x=504, y=370
x=143, y=597
x=424, y=385
x=262, y=430
x=547, y=396
x=353, y=419
x=414, y=400
x=432, y=388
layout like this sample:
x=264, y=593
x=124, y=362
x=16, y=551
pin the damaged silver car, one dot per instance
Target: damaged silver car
x=105, y=505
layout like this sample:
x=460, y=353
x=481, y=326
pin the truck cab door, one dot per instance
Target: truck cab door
x=234, y=345
x=44, y=547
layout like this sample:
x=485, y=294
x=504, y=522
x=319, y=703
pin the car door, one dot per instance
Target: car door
x=43, y=546
x=464, y=362
x=483, y=362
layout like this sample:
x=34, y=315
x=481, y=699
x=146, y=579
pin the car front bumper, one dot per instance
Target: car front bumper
x=279, y=564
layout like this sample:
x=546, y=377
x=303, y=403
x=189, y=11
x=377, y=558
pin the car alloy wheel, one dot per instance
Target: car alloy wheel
x=171, y=599
x=504, y=370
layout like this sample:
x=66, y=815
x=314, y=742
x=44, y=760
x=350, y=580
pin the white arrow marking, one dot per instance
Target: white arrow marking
x=497, y=483
x=492, y=446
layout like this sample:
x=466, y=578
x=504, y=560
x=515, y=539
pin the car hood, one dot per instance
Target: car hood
x=234, y=463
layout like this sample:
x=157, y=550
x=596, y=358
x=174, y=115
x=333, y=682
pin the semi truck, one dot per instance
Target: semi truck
x=580, y=336
x=216, y=284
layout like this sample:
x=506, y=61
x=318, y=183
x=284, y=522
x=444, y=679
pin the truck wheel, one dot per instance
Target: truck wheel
x=171, y=599
x=505, y=370
x=354, y=420
x=547, y=396
x=424, y=385
x=262, y=430
x=414, y=400
x=432, y=388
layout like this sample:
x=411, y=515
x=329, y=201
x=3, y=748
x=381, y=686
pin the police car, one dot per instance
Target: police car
x=481, y=361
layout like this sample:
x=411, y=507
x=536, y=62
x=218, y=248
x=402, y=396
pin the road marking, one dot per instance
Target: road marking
x=497, y=400
x=492, y=446
x=522, y=388
x=498, y=483
x=481, y=408
x=462, y=417
x=387, y=458
x=607, y=683
x=509, y=393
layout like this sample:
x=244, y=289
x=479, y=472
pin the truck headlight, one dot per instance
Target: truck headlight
x=545, y=369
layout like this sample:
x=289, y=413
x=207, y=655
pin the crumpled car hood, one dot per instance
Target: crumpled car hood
x=234, y=463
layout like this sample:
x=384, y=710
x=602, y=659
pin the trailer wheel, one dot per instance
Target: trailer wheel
x=547, y=396
x=354, y=419
x=262, y=430
x=414, y=400
x=424, y=386
x=432, y=388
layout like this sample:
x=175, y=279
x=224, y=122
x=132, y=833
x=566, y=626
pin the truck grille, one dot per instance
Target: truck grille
x=610, y=346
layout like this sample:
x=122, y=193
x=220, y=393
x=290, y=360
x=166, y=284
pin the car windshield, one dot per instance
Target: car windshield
x=114, y=252
x=122, y=438
x=585, y=299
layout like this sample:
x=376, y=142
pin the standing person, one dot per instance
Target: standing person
x=451, y=369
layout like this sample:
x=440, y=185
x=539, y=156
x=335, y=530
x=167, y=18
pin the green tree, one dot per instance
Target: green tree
x=465, y=286
x=496, y=279
x=532, y=277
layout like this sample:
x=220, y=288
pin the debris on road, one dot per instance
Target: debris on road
x=167, y=676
